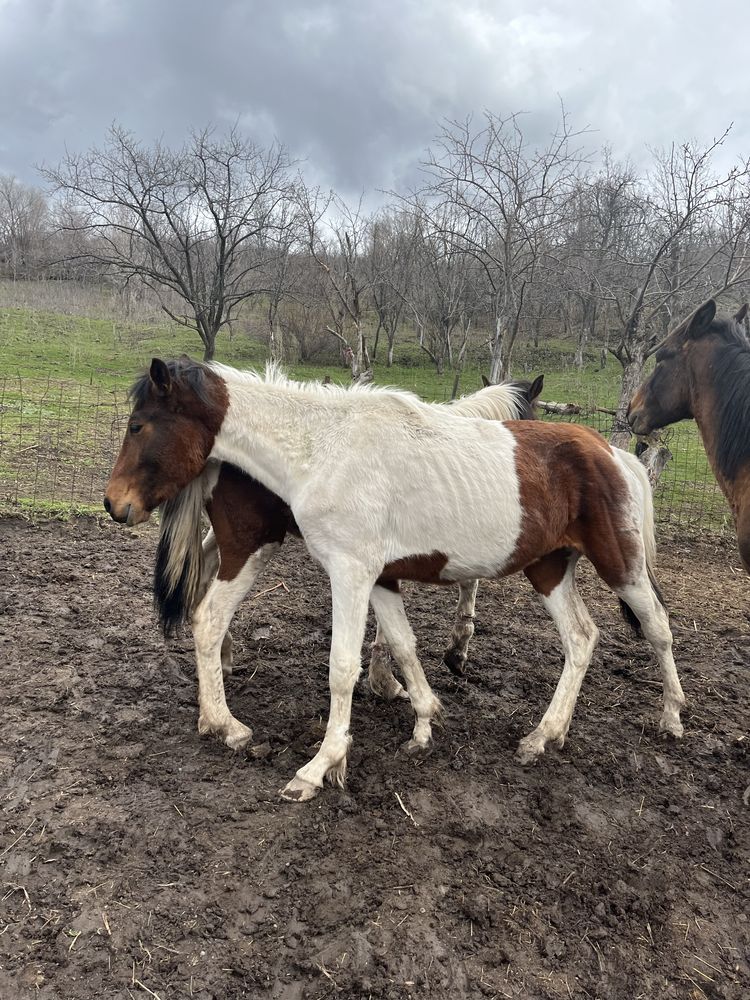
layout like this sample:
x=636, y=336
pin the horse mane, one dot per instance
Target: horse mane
x=731, y=377
x=184, y=370
x=503, y=401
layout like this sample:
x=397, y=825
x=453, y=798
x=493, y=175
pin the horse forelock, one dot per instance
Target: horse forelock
x=185, y=373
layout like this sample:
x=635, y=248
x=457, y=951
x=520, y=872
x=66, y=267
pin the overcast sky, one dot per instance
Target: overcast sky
x=358, y=87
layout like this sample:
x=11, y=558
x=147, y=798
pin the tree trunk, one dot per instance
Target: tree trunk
x=632, y=376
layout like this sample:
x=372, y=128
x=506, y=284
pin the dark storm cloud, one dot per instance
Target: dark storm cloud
x=358, y=88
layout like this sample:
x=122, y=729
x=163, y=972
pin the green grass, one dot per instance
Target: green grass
x=60, y=374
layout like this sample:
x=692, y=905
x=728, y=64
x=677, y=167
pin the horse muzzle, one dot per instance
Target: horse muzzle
x=636, y=422
x=126, y=513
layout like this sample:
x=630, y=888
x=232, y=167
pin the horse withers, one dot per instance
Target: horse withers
x=383, y=488
x=703, y=371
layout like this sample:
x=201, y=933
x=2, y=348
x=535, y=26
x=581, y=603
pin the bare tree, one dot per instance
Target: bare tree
x=390, y=263
x=442, y=297
x=337, y=242
x=198, y=225
x=511, y=197
x=24, y=227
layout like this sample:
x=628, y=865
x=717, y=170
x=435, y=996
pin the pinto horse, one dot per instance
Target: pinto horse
x=703, y=371
x=248, y=526
x=386, y=488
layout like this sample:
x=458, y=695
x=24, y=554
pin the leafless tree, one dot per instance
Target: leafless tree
x=442, y=297
x=390, y=263
x=511, y=197
x=24, y=227
x=337, y=242
x=199, y=225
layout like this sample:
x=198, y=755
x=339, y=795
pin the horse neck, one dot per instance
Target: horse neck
x=707, y=415
x=270, y=434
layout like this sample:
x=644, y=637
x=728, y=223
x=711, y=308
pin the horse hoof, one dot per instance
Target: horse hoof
x=417, y=750
x=455, y=662
x=670, y=727
x=529, y=751
x=299, y=790
x=239, y=737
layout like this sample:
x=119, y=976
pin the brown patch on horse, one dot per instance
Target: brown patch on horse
x=547, y=573
x=177, y=401
x=420, y=568
x=245, y=516
x=572, y=495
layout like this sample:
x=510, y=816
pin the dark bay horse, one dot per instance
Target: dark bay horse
x=386, y=488
x=249, y=524
x=703, y=371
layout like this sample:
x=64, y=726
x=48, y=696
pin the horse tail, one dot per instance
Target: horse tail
x=645, y=498
x=503, y=401
x=179, y=557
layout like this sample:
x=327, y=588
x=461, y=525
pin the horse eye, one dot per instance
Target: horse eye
x=134, y=428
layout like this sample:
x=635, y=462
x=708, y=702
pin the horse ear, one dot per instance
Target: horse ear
x=701, y=319
x=160, y=377
x=739, y=316
x=486, y=382
x=535, y=389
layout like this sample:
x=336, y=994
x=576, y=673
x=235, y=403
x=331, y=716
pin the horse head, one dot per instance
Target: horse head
x=178, y=408
x=667, y=394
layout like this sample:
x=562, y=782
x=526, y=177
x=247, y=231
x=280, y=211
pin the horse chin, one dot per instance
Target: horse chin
x=136, y=516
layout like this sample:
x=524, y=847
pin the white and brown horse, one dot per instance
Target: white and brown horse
x=703, y=371
x=387, y=488
x=248, y=526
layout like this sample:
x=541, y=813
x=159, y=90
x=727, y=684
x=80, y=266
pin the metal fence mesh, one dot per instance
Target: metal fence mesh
x=59, y=439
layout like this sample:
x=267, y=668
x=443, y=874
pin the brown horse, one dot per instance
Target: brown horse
x=703, y=371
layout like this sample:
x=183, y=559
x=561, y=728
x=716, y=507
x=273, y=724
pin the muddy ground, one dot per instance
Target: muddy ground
x=139, y=860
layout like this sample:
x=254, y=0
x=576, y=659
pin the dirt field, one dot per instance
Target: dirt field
x=139, y=860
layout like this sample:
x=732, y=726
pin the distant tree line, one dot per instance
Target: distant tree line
x=503, y=239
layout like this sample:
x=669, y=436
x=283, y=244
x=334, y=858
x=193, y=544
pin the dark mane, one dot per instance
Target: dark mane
x=731, y=376
x=183, y=370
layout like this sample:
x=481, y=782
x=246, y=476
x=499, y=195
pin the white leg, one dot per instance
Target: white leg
x=382, y=682
x=350, y=587
x=389, y=608
x=210, y=569
x=463, y=628
x=641, y=598
x=210, y=622
x=579, y=637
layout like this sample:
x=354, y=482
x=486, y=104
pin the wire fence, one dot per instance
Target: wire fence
x=59, y=440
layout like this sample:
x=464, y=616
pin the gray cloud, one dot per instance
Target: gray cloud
x=358, y=89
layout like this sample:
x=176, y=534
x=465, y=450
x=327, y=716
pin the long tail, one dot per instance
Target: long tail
x=179, y=557
x=647, y=529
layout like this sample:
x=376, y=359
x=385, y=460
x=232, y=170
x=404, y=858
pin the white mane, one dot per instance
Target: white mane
x=274, y=375
x=494, y=402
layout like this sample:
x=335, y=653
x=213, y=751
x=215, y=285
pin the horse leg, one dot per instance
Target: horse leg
x=389, y=608
x=743, y=534
x=211, y=620
x=644, y=602
x=350, y=586
x=210, y=569
x=382, y=682
x=463, y=628
x=553, y=577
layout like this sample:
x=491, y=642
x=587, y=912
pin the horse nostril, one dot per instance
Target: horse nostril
x=107, y=505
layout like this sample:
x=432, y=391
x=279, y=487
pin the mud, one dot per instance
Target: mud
x=139, y=860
